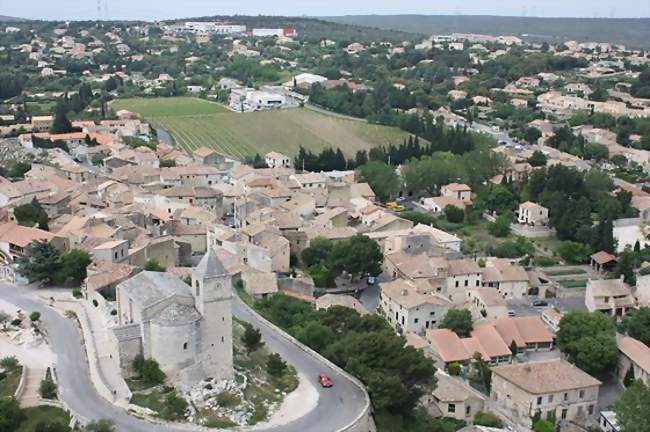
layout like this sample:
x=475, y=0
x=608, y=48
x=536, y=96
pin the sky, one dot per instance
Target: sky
x=165, y=9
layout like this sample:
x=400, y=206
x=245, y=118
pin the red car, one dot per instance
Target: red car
x=324, y=381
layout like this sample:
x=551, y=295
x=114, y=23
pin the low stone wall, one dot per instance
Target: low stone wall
x=21, y=384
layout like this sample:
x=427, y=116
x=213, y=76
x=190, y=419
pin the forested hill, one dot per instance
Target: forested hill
x=630, y=32
x=4, y=18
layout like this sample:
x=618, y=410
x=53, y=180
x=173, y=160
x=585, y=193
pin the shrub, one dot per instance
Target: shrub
x=252, y=338
x=488, y=419
x=148, y=370
x=47, y=389
x=34, y=316
x=454, y=214
x=9, y=363
x=275, y=366
x=544, y=261
x=76, y=293
x=226, y=399
x=174, y=408
x=500, y=227
x=454, y=369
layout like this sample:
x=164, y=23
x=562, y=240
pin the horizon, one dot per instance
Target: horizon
x=117, y=10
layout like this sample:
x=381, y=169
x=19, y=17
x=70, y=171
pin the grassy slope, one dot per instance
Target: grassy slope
x=194, y=123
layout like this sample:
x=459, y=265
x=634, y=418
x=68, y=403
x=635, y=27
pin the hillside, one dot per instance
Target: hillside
x=4, y=18
x=194, y=123
x=630, y=32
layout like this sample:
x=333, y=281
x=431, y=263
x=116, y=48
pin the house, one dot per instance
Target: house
x=408, y=311
x=553, y=388
x=438, y=204
x=206, y=156
x=609, y=296
x=488, y=302
x=447, y=347
x=186, y=329
x=459, y=191
x=258, y=284
x=529, y=333
x=510, y=280
x=633, y=355
x=277, y=160
x=462, y=275
x=454, y=399
x=115, y=251
x=551, y=318
x=310, y=181
x=532, y=214
x=14, y=239
x=329, y=300
x=603, y=261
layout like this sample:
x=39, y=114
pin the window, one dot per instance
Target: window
x=550, y=398
x=539, y=400
x=564, y=413
x=416, y=320
x=451, y=408
x=198, y=289
x=468, y=409
x=590, y=409
x=185, y=346
x=566, y=396
x=221, y=339
x=466, y=282
x=581, y=394
x=457, y=284
x=477, y=283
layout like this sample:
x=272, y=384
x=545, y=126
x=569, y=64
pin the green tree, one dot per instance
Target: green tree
x=41, y=264
x=500, y=227
x=275, y=366
x=47, y=389
x=51, y=426
x=316, y=335
x=482, y=373
x=359, y=255
x=543, y=426
x=318, y=251
x=459, y=321
x=500, y=200
x=633, y=408
x=252, y=338
x=34, y=316
x=61, y=124
x=454, y=214
x=382, y=179
x=10, y=415
x=148, y=370
x=74, y=265
x=588, y=340
x=174, y=408
x=574, y=252
x=488, y=419
x=625, y=267
x=31, y=214
x=531, y=136
x=537, y=159
x=154, y=266
x=101, y=425
x=636, y=324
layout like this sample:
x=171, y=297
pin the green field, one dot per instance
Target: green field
x=194, y=123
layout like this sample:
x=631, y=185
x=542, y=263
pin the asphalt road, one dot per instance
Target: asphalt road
x=337, y=406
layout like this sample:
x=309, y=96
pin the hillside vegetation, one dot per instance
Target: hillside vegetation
x=631, y=32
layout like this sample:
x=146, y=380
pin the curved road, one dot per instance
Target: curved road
x=337, y=406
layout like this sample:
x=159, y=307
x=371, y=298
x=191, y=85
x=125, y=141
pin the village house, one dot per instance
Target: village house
x=532, y=214
x=453, y=399
x=408, y=311
x=510, y=280
x=609, y=296
x=634, y=356
x=277, y=160
x=487, y=303
x=447, y=347
x=459, y=191
x=554, y=389
x=337, y=300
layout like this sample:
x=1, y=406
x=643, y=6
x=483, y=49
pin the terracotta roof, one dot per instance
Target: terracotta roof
x=636, y=351
x=603, y=257
x=448, y=345
x=203, y=152
x=463, y=267
x=22, y=236
x=553, y=376
x=458, y=187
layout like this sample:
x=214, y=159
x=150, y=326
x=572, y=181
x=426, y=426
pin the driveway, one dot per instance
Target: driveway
x=337, y=406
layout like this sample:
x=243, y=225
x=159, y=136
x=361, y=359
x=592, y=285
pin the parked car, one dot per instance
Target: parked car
x=540, y=303
x=324, y=381
x=511, y=313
